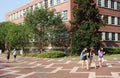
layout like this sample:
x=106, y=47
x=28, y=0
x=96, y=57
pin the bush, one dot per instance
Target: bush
x=52, y=54
x=112, y=50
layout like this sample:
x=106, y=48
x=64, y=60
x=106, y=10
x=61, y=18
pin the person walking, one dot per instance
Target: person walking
x=91, y=57
x=14, y=54
x=8, y=55
x=84, y=57
x=100, y=56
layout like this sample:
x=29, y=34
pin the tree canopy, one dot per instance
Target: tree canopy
x=47, y=27
x=85, y=25
x=13, y=35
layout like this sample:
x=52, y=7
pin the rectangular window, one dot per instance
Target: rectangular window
x=99, y=2
x=112, y=4
x=118, y=6
x=65, y=15
x=58, y=2
x=100, y=35
x=118, y=20
x=113, y=36
x=112, y=20
x=51, y=2
x=64, y=0
x=119, y=36
x=107, y=36
x=106, y=3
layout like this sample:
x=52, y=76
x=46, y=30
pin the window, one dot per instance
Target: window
x=118, y=6
x=58, y=1
x=112, y=4
x=40, y=4
x=119, y=36
x=112, y=20
x=65, y=15
x=51, y=2
x=118, y=20
x=107, y=36
x=100, y=35
x=113, y=36
x=99, y=2
x=106, y=3
x=64, y=0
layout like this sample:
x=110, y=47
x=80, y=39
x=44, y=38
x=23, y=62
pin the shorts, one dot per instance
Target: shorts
x=91, y=57
x=8, y=57
x=84, y=58
x=100, y=59
x=14, y=56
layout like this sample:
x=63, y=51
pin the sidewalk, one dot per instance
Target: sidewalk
x=56, y=68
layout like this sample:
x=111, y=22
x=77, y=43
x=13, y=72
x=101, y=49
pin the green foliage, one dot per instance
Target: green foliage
x=46, y=26
x=85, y=25
x=13, y=35
x=112, y=50
x=52, y=54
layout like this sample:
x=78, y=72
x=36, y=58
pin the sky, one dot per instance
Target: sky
x=9, y=5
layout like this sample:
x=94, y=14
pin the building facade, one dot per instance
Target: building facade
x=110, y=34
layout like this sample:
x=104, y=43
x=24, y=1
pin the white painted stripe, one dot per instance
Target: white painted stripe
x=118, y=61
x=115, y=75
x=23, y=76
x=48, y=66
x=32, y=63
x=67, y=62
x=80, y=62
x=11, y=72
x=109, y=65
x=56, y=70
x=74, y=70
x=60, y=60
x=92, y=75
x=35, y=66
x=115, y=58
x=105, y=76
x=50, y=60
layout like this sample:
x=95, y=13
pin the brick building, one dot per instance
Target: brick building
x=110, y=34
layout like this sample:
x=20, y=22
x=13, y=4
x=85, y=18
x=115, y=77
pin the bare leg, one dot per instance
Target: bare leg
x=83, y=63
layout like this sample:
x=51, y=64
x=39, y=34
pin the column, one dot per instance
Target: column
x=116, y=20
x=103, y=36
x=109, y=19
x=102, y=3
x=115, y=5
x=109, y=3
x=110, y=36
x=48, y=3
x=116, y=36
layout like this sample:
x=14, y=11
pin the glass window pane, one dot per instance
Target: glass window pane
x=106, y=3
x=113, y=36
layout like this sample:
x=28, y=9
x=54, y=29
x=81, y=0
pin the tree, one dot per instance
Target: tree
x=85, y=25
x=13, y=35
x=46, y=26
x=4, y=30
x=18, y=36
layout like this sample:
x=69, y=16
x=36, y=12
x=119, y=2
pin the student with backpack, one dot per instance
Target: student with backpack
x=84, y=57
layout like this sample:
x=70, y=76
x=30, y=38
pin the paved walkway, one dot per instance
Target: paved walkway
x=56, y=68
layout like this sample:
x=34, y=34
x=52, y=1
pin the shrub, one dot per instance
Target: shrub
x=112, y=50
x=51, y=54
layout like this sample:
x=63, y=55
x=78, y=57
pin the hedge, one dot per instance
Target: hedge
x=51, y=54
x=112, y=50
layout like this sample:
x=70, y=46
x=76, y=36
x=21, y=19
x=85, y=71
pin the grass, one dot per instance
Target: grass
x=112, y=56
x=105, y=56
